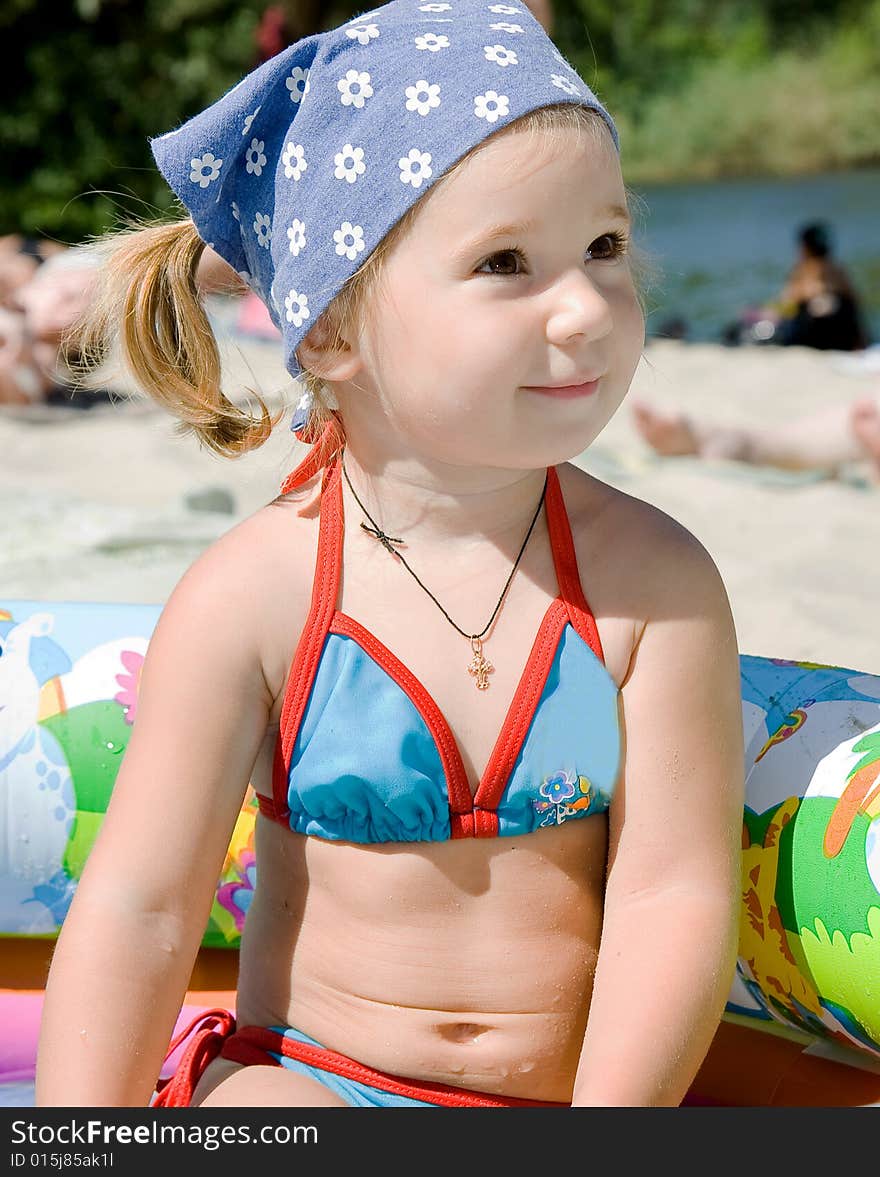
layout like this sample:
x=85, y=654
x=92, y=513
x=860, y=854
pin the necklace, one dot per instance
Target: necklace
x=479, y=668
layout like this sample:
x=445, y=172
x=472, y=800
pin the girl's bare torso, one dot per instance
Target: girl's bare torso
x=467, y=962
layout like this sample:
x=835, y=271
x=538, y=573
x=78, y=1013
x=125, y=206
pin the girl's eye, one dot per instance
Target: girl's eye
x=505, y=256
x=610, y=246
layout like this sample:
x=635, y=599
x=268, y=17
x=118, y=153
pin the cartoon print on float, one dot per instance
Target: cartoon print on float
x=809, y=953
x=69, y=679
x=36, y=791
x=810, y=920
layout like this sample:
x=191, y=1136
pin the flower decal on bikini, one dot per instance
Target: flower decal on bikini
x=558, y=788
x=563, y=796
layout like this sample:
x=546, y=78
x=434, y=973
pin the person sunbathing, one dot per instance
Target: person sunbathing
x=828, y=439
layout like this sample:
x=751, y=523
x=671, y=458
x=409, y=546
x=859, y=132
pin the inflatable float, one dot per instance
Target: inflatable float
x=802, y=1021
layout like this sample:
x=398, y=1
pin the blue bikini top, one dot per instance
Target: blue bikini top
x=364, y=753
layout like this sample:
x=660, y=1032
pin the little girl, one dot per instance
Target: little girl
x=490, y=706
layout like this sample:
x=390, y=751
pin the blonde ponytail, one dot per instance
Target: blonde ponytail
x=147, y=314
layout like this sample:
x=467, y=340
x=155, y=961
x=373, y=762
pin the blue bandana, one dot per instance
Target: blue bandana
x=297, y=173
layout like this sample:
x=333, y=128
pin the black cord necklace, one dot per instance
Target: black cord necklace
x=479, y=668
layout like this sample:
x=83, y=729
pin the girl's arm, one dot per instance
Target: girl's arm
x=670, y=931
x=126, y=951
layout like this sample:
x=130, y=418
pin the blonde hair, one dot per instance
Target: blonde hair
x=148, y=310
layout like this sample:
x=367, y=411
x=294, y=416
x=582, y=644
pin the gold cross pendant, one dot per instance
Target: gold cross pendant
x=479, y=667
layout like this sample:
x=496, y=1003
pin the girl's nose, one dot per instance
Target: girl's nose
x=578, y=308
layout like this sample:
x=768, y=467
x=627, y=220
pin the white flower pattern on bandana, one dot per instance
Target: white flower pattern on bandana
x=296, y=234
x=355, y=88
x=349, y=240
x=254, y=158
x=363, y=34
x=422, y=96
x=341, y=153
x=294, y=160
x=433, y=42
x=205, y=170
x=263, y=229
x=491, y=106
x=298, y=83
x=296, y=308
x=349, y=163
x=415, y=167
x=500, y=54
x=564, y=84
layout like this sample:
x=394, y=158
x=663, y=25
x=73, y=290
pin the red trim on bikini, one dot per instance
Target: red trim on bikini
x=570, y=589
x=469, y=816
x=210, y=1029
x=305, y=662
x=457, y=787
x=522, y=709
x=214, y=1033
x=252, y=1044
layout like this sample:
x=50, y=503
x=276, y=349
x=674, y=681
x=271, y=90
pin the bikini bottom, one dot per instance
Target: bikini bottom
x=214, y=1034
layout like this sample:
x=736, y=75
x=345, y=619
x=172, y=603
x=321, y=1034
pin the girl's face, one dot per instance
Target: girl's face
x=512, y=278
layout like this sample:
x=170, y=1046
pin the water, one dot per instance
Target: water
x=724, y=245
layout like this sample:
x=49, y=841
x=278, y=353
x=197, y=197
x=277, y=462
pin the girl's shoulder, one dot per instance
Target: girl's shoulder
x=634, y=554
x=258, y=575
x=640, y=569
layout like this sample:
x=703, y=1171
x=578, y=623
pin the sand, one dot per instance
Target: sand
x=109, y=504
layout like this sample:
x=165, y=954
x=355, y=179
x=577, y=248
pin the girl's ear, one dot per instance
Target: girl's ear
x=330, y=357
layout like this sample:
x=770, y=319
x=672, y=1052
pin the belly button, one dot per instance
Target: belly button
x=461, y=1031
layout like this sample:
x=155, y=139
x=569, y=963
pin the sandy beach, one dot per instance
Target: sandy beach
x=109, y=504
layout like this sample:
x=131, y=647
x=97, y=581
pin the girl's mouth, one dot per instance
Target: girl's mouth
x=568, y=391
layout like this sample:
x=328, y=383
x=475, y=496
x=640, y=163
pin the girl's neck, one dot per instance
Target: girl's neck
x=443, y=502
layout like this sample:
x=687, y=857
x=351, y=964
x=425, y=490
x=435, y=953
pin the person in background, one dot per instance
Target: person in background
x=819, y=306
x=45, y=293
x=827, y=440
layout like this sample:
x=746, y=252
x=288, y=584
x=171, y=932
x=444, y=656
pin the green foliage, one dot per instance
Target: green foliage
x=85, y=91
x=699, y=88
x=792, y=112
